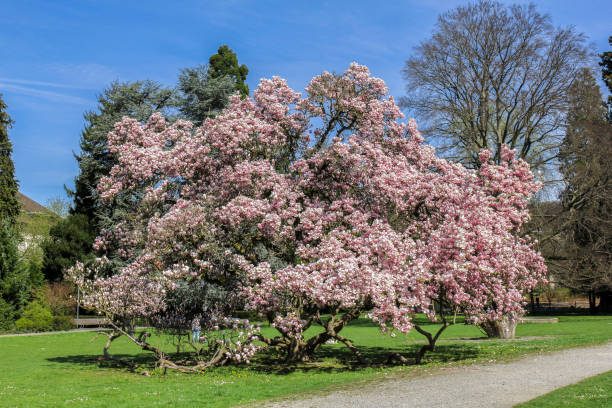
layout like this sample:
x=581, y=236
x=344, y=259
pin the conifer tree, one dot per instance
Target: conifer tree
x=200, y=96
x=587, y=198
x=16, y=277
x=9, y=205
x=606, y=74
x=225, y=63
x=136, y=100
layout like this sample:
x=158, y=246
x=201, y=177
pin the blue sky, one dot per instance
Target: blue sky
x=55, y=56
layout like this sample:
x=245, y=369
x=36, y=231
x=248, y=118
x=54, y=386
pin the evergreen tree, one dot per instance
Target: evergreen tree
x=200, y=95
x=225, y=63
x=69, y=240
x=606, y=74
x=136, y=100
x=72, y=238
x=9, y=205
x=587, y=198
x=17, y=279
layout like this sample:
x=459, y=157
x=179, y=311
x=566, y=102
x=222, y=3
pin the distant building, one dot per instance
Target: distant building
x=35, y=221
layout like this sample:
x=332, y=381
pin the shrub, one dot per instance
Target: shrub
x=69, y=240
x=7, y=315
x=17, y=277
x=58, y=298
x=35, y=317
x=62, y=323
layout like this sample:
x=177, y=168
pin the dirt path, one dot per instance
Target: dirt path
x=498, y=385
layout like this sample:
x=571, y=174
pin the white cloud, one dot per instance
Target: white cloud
x=44, y=94
x=38, y=83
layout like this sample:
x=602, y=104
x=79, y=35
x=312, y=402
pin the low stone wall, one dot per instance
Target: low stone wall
x=538, y=320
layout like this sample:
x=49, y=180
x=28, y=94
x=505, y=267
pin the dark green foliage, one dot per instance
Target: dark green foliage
x=69, y=240
x=200, y=95
x=9, y=256
x=17, y=278
x=7, y=315
x=137, y=100
x=9, y=205
x=606, y=73
x=225, y=63
x=606, y=66
x=62, y=323
x=35, y=317
x=198, y=297
x=587, y=198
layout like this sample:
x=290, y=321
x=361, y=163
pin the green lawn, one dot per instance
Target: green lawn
x=592, y=392
x=66, y=369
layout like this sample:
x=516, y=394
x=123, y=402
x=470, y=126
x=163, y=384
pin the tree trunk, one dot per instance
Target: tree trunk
x=299, y=349
x=605, y=302
x=592, y=303
x=503, y=328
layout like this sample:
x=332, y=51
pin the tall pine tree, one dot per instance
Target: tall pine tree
x=225, y=63
x=587, y=198
x=606, y=74
x=9, y=204
x=204, y=91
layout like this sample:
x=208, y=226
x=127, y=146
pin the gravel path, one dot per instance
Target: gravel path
x=497, y=385
x=88, y=329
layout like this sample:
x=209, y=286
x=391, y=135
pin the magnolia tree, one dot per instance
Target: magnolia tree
x=311, y=210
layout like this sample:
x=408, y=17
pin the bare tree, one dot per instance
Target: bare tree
x=492, y=75
x=58, y=205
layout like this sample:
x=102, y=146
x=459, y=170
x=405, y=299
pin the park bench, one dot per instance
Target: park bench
x=90, y=322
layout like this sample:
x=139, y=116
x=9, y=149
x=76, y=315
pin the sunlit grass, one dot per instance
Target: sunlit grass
x=592, y=392
x=66, y=369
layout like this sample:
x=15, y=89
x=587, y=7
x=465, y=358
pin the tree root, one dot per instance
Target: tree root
x=111, y=337
x=397, y=357
x=298, y=349
x=219, y=357
x=350, y=345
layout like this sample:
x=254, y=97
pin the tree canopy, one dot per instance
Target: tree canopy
x=491, y=75
x=606, y=73
x=225, y=63
x=69, y=240
x=310, y=210
x=587, y=197
x=138, y=100
x=202, y=96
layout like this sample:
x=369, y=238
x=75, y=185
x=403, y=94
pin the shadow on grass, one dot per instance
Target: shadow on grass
x=98, y=360
x=330, y=359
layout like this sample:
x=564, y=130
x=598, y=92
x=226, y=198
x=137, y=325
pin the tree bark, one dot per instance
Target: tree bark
x=297, y=349
x=503, y=328
x=431, y=340
x=592, y=303
x=605, y=302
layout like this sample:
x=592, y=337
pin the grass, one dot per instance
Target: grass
x=592, y=392
x=66, y=369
